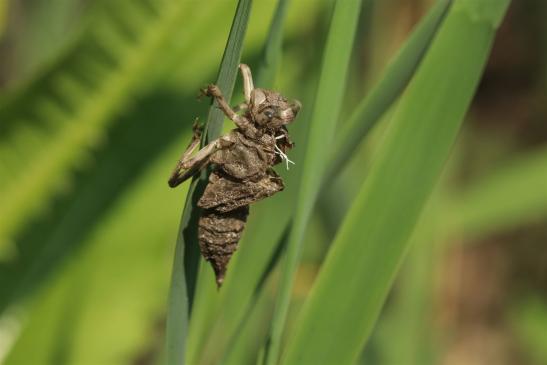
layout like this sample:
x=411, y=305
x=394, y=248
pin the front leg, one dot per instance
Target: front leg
x=188, y=166
x=241, y=122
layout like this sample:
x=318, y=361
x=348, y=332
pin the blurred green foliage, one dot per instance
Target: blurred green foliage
x=97, y=99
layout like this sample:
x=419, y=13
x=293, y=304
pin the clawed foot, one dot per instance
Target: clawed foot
x=211, y=90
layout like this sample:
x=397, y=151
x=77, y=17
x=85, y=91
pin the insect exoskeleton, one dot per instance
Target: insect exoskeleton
x=242, y=163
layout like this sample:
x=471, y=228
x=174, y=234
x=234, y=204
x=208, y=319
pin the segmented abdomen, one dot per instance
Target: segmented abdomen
x=219, y=233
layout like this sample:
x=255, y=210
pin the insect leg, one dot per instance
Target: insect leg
x=247, y=81
x=198, y=130
x=189, y=166
x=240, y=121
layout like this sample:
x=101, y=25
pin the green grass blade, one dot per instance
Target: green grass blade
x=186, y=260
x=396, y=77
x=407, y=324
x=358, y=272
x=233, y=338
x=271, y=54
x=327, y=107
x=245, y=347
x=509, y=196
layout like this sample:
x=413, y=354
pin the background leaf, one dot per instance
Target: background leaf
x=396, y=77
x=49, y=127
x=502, y=199
x=328, y=103
x=373, y=238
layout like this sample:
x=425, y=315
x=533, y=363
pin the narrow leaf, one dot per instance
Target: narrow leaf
x=186, y=258
x=395, y=79
x=325, y=114
x=271, y=54
x=508, y=196
x=359, y=269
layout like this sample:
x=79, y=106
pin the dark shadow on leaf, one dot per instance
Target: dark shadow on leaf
x=132, y=144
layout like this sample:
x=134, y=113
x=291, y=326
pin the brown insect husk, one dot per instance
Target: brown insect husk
x=242, y=173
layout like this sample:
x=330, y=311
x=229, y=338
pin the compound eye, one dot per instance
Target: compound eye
x=269, y=113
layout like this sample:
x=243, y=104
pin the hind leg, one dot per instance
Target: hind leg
x=241, y=122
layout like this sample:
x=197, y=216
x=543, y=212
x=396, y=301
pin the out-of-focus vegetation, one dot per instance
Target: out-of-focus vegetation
x=97, y=99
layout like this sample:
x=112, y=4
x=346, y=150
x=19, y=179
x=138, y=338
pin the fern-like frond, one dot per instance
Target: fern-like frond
x=48, y=128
